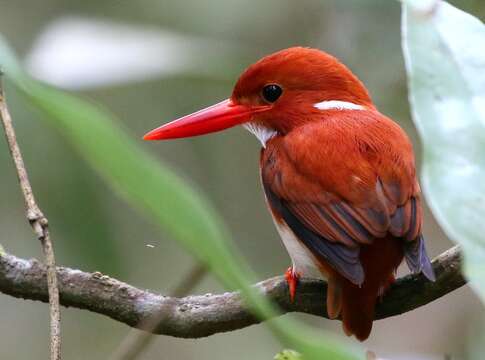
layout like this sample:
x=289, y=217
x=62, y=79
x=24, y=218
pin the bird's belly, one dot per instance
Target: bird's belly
x=303, y=260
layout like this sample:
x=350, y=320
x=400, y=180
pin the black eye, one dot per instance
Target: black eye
x=272, y=92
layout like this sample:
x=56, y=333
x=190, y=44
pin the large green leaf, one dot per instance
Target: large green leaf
x=444, y=50
x=152, y=187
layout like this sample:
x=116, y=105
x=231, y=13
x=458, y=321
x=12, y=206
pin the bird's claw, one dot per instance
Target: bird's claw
x=292, y=278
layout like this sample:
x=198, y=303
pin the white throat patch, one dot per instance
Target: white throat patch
x=338, y=105
x=261, y=132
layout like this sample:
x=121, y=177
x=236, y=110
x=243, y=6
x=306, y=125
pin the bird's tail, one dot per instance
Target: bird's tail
x=354, y=304
x=358, y=301
x=358, y=310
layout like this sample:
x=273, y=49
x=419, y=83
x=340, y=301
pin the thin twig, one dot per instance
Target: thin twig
x=204, y=315
x=137, y=341
x=39, y=224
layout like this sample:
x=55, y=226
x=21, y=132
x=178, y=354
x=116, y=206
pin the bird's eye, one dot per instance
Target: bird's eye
x=272, y=92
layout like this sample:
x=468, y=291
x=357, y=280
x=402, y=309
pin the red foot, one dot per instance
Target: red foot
x=292, y=278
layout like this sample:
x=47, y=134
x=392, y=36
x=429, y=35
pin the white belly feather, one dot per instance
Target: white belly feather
x=302, y=259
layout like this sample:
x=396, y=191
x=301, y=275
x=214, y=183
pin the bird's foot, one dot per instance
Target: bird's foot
x=292, y=278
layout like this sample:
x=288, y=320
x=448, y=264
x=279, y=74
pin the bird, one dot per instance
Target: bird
x=339, y=177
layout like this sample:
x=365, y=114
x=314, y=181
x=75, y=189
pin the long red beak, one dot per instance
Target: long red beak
x=214, y=118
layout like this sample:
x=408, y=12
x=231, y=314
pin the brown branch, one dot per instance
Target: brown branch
x=137, y=341
x=39, y=224
x=204, y=315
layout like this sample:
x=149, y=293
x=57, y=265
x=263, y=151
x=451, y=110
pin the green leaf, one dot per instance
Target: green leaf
x=444, y=50
x=288, y=355
x=177, y=207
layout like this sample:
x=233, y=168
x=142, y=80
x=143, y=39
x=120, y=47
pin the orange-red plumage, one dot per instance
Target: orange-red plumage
x=343, y=176
x=339, y=177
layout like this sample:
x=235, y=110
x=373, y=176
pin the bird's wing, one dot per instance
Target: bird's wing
x=340, y=195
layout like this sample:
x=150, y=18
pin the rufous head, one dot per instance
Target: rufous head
x=279, y=92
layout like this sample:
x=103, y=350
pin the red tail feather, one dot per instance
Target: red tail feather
x=358, y=310
x=379, y=261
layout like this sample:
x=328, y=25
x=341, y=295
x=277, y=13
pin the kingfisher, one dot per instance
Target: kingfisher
x=338, y=176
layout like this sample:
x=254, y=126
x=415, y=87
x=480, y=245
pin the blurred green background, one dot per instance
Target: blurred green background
x=93, y=229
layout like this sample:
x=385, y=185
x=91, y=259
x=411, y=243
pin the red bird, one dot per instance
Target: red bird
x=339, y=177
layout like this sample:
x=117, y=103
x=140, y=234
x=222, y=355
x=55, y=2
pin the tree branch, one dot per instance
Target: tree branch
x=204, y=315
x=39, y=224
x=137, y=341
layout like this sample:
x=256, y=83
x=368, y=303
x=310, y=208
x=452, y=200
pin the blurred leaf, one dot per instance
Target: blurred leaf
x=71, y=196
x=80, y=53
x=155, y=189
x=444, y=50
x=288, y=355
x=88, y=227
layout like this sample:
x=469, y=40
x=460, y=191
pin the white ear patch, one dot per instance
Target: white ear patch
x=263, y=133
x=339, y=105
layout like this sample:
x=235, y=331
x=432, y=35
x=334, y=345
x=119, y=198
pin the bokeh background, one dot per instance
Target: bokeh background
x=149, y=61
